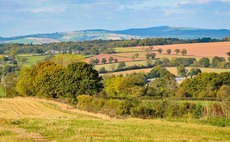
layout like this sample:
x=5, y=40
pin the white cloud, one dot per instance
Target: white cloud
x=48, y=10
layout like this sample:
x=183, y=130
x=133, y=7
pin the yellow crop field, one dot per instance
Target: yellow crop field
x=30, y=119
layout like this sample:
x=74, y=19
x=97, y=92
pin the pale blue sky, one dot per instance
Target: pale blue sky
x=22, y=17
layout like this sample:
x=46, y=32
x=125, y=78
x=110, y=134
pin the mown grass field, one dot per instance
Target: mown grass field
x=30, y=119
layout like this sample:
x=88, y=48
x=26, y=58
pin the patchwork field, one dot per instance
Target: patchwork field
x=30, y=119
x=210, y=49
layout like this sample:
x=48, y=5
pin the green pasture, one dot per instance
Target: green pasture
x=32, y=60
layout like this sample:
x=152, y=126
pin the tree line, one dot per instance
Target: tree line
x=96, y=46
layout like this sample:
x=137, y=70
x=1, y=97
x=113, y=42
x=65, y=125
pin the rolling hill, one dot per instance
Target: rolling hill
x=40, y=120
x=138, y=33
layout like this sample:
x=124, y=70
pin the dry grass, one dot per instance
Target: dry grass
x=30, y=119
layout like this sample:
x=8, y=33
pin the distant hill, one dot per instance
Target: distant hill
x=175, y=32
x=137, y=33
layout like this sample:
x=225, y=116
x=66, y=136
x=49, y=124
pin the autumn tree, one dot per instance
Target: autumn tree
x=25, y=85
x=43, y=79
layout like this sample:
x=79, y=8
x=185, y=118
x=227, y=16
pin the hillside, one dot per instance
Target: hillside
x=138, y=33
x=176, y=32
x=30, y=119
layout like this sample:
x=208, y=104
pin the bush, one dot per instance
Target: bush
x=149, y=109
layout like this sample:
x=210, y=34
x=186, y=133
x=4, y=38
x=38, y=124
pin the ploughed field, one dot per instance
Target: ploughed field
x=31, y=119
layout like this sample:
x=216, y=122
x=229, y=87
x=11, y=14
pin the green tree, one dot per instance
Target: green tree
x=217, y=60
x=97, y=61
x=194, y=71
x=125, y=87
x=177, y=51
x=103, y=60
x=202, y=85
x=160, y=50
x=228, y=53
x=158, y=72
x=184, y=52
x=165, y=62
x=162, y=87
x=181, y=71
x=111, y=59
x=121, y=65
x=102, y=70
x=224, y=92
x=10, y=81
x=169, y=51
x=153, y=55
x=204, y=62
x=147, y=56
x=80, y=78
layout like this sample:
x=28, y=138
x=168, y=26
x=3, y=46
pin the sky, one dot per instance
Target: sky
x=23, y=17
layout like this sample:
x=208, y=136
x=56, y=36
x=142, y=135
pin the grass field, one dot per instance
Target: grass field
x=32, y=59
x=126, y=49
x=30, y=119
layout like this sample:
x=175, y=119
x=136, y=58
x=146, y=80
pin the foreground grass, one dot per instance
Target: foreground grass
x=26, y=119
